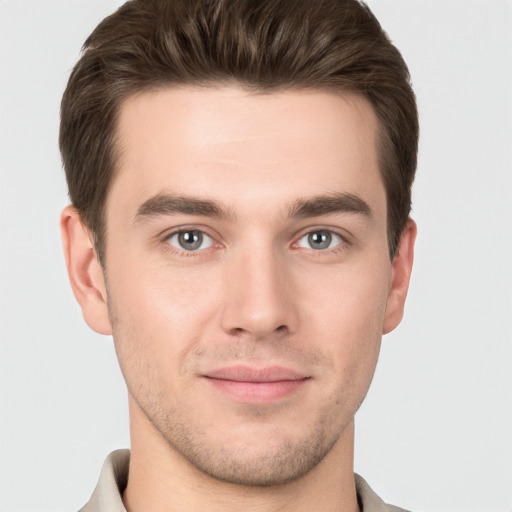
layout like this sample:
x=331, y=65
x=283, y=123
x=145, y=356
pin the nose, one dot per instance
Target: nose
x=258, y=297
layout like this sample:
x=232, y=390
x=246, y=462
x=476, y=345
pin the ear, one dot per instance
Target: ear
x=84, y=270
x=400, y=276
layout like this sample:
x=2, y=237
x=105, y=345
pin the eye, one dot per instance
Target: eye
x=190, y=240
x=320, y=240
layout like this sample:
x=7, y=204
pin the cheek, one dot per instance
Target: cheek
x=350, y=298
x=345, y=318
x=161, y=299
x=158, y=316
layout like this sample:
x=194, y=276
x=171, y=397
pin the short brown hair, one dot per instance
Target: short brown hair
x=265, y=46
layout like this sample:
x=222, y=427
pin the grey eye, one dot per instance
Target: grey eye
x=190, y=240
x=320, y=240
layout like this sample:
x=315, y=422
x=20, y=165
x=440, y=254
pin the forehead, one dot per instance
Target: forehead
x=243, y=147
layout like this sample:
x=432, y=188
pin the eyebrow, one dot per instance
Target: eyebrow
x=330, y=204
x=168, y=204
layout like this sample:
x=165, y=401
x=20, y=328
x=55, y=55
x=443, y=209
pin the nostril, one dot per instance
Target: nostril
x=241, y=332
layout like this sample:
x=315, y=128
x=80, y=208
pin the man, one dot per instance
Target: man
x=240, y=175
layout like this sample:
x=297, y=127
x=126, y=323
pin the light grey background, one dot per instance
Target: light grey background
x=435, y=433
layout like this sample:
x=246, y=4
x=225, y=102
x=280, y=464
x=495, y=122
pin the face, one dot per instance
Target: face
x=247, y=273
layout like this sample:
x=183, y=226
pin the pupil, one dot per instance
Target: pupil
x=320, y=240
x=190, y=240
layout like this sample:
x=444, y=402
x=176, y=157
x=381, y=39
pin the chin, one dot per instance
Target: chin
x=269, y=458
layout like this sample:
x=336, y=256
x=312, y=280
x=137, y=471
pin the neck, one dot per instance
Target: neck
x=161, y=479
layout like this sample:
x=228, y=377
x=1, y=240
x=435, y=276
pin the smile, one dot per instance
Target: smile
x=252, y=385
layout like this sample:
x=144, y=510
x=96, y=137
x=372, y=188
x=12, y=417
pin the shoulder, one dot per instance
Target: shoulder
x=369, y=501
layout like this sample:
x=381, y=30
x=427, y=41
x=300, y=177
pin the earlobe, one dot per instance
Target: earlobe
x=84, y=271
x=400, y=276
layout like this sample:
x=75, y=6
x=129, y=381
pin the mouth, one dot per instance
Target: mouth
x=256, y=385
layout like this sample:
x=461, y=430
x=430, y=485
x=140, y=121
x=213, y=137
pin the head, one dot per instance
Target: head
x=242, y=170
x=264, y=47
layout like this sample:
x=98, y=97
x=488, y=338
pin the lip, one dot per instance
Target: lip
x=256, y=385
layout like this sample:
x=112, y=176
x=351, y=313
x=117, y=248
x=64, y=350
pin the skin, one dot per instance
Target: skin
x=259, y=292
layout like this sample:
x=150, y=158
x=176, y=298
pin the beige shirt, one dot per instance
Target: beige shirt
x=114, y=475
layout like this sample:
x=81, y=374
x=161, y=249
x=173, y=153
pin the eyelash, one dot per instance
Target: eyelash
x=183, y=252
x=339, y=247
